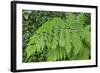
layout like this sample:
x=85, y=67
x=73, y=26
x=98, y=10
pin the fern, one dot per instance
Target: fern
x=64, y=40
x=76, y=41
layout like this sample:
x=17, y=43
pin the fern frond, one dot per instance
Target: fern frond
x=62, y=39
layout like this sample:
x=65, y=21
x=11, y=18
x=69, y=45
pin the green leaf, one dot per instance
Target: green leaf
x=55, y=39
x=76, y=41
x=86, y=34
x=51, y=56
x=42, y=41
x=68, y=41
x=84, y=54
x=61, y=38
x=81, y=20
x=30, y=50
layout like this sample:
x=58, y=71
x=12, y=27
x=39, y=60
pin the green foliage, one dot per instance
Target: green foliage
x=59, y=38
x=32, y=20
